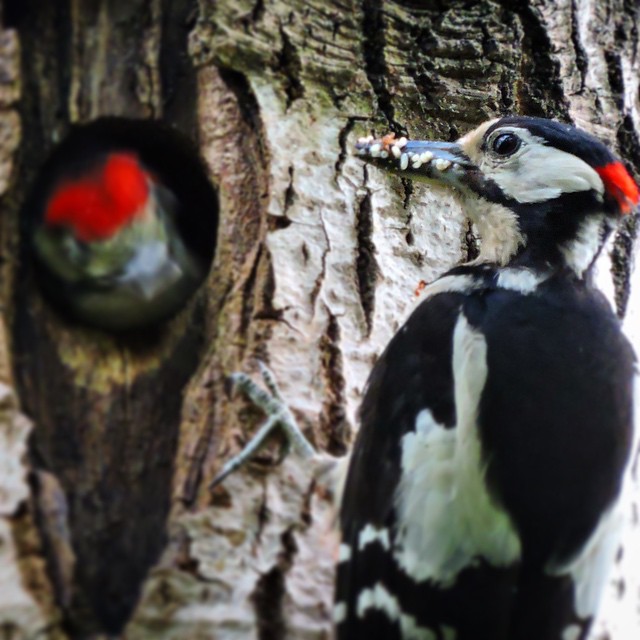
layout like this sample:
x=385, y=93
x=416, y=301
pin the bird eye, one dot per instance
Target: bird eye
x=506, y=144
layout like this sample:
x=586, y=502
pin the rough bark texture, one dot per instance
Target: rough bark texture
x=106, y=519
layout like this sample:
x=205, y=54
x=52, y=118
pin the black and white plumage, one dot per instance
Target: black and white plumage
x=482, y=497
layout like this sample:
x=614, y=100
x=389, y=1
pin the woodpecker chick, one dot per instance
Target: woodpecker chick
x=115, y=225
x=483, y=498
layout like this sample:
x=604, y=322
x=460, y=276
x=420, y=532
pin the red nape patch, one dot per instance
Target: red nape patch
x=620, y=185
x=98, y=206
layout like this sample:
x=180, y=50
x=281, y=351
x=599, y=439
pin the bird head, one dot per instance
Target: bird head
x=102, y=202
x=121, y=223
x=99, y=218
x=540, y=192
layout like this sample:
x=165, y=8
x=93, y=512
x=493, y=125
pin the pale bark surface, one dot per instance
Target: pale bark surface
x=317, y=262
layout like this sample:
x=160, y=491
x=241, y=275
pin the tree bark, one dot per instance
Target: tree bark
x=107, y=524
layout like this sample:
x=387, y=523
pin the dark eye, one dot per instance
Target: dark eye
x=506, y=144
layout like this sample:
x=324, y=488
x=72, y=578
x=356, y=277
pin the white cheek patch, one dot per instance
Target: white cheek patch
x=538, y=172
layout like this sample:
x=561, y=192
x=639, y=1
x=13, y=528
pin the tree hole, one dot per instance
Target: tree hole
x=106, y=397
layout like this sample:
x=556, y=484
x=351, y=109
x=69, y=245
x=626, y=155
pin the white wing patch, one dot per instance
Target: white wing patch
x=522, y=280
x=339, y=613
x=426, y=545
x=446, y=518
x=344, y=553
x=380, y=599
x=370, y=534
x=572, y=632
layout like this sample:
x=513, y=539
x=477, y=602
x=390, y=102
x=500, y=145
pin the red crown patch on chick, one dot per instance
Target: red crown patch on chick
x=98, y=206
x=121, y=223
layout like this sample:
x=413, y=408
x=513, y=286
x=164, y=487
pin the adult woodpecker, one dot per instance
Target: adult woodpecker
x=121, y=224
x=482, y=500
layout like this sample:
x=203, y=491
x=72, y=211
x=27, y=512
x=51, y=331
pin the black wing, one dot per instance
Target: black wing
x=554, y=421
x=415, y=372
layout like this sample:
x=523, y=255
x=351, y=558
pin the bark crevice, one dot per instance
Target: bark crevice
x=540, y=89
x=333, y=420
x=582, y=58
x=268, y=598
x=366, y=266
x=290, y=66
x=373, y=49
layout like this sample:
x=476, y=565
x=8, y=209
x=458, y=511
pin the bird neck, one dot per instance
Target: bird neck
x=556, y=248
x=498, y=228
x=565, y=234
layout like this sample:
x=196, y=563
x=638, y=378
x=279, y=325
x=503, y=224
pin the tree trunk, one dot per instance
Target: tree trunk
x=107, y=522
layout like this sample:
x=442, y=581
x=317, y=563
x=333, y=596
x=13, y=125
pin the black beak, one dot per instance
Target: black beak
x=443, y=162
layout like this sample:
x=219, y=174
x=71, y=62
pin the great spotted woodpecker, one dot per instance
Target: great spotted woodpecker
x=482, y=497
x=121, y=224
